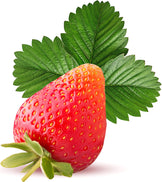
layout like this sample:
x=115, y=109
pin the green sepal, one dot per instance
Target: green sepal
x=22, y=146
x=35, y=157
x=35, y=146
x=63, y=168
x=19, y=159
x=46, y=167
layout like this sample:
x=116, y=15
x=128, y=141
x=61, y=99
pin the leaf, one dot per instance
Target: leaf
x=47, y=167
x=35, y=146
x=39, y=64
x=130, y=87
x=63, y=168
x=95, y=34
x=19, y=159
x=22, y=146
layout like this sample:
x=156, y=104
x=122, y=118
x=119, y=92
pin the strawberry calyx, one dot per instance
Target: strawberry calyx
x=34, y=157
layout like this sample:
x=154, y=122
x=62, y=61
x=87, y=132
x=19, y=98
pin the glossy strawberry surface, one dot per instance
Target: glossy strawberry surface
x=67, y=117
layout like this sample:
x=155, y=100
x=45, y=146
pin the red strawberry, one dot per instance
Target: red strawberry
x=67, y=117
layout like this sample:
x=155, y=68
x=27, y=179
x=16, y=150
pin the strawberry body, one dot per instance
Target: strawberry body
x=67, y=117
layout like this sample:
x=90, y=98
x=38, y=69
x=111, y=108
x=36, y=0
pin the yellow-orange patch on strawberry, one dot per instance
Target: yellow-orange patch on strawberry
x=50, y=116
x=49, y=109
x=71, y=138
x=41, y=113
x=33, y=122
x=65, y=154
x=75, y=153
x=37, y=126
x=81, y=133
x=36, y=104
x=52, y=130
x=34, y=113
x=24, y=119
x=85, y=148
x=75, y=128
x=51, y=124
x=68, y=118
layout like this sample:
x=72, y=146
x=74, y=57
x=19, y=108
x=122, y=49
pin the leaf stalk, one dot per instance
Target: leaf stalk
x=31, y=171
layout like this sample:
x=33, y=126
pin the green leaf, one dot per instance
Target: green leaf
x=19, y=159
x=22, y=146
x=63, y=168
x=130, y=87
x=39, y=64
x=95, y=34
x=47, y=167
x=35, y=146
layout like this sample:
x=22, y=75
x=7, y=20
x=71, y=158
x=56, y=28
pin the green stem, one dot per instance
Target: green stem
x=31, y=171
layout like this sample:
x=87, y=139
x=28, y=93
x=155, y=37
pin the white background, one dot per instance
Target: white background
x=132, y=150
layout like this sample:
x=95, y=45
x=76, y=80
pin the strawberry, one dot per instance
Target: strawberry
x=67, y=117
